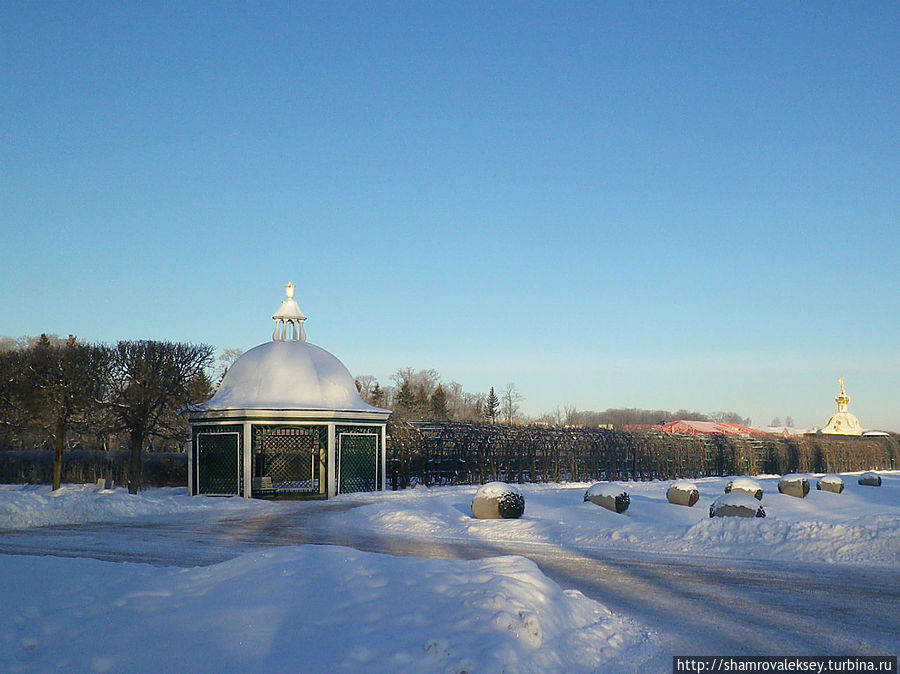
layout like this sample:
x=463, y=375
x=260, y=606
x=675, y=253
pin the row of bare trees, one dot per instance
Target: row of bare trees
x=54, y=390
x=626, y=417
x=423, y=395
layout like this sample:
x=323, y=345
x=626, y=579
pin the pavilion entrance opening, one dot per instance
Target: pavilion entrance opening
x=289, y=459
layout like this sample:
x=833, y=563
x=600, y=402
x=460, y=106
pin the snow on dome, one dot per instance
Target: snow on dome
x=287, y=375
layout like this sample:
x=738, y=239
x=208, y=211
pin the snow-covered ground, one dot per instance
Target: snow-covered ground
x=317, y=608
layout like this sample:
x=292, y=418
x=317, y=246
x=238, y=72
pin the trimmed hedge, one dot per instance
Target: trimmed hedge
x=81, y=466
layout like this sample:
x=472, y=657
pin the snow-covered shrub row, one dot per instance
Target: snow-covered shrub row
x=794, y=485
x=683, y=493
x=736, y=505
x=745, y=485
x=498, y=500
x=830, y=483
x=870, y=480
x=608, y=495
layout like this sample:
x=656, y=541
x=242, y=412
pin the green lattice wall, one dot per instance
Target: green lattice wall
x=218, y=456
x=359, y=461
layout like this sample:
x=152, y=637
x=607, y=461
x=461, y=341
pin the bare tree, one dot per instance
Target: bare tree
x=414, y=391
x=509, y=402
x=223, y=362
x=12, y=363
x=149, y=379
x=730, y=418
x=372, y=392
x=365, y=384
x=60, y=389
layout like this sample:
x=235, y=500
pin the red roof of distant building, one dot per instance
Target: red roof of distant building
x=707, y=428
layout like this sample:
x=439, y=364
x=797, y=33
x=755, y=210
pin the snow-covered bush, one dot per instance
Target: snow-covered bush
x=736, y=505
x=498, y=500
x=870, y=479
x=745, y=485
x=683, y=493
x=608, y=495
x=830, y=483
x=794, y=485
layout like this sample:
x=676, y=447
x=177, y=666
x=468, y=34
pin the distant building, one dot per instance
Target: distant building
x=842, y=422
x=789, y=431
x=690, y=427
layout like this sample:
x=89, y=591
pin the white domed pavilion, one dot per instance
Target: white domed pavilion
x=287, y=420
x=842, y=422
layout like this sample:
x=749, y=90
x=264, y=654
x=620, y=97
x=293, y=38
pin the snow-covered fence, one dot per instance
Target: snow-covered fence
x=160, y=469
x=445, y=452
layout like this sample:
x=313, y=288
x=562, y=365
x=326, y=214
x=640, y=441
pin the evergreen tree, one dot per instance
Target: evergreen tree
x=377, y=396
x=438, y=403
x=491, y=406
x=406, y=400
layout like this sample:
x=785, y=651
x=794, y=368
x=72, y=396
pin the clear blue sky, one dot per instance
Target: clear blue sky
x=610, y=204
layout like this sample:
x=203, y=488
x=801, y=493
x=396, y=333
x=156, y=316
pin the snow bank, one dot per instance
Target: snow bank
x=309, y=608
x=860, y=526
x=23, y=507
x=873, y=540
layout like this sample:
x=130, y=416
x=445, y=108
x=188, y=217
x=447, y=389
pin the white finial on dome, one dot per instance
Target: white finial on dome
x=289, y=315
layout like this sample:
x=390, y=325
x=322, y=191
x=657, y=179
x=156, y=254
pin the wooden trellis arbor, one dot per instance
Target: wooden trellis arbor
x=447, y=452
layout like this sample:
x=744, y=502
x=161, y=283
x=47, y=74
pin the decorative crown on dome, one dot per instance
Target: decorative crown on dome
x=842, y=400
x=289, y=318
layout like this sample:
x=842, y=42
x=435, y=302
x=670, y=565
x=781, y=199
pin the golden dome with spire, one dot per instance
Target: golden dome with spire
x=842, y=422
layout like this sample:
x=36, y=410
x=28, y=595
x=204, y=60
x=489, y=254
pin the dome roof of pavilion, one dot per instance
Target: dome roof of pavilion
x=288, y=374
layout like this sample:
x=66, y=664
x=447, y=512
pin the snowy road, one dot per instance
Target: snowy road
x=696, y=605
